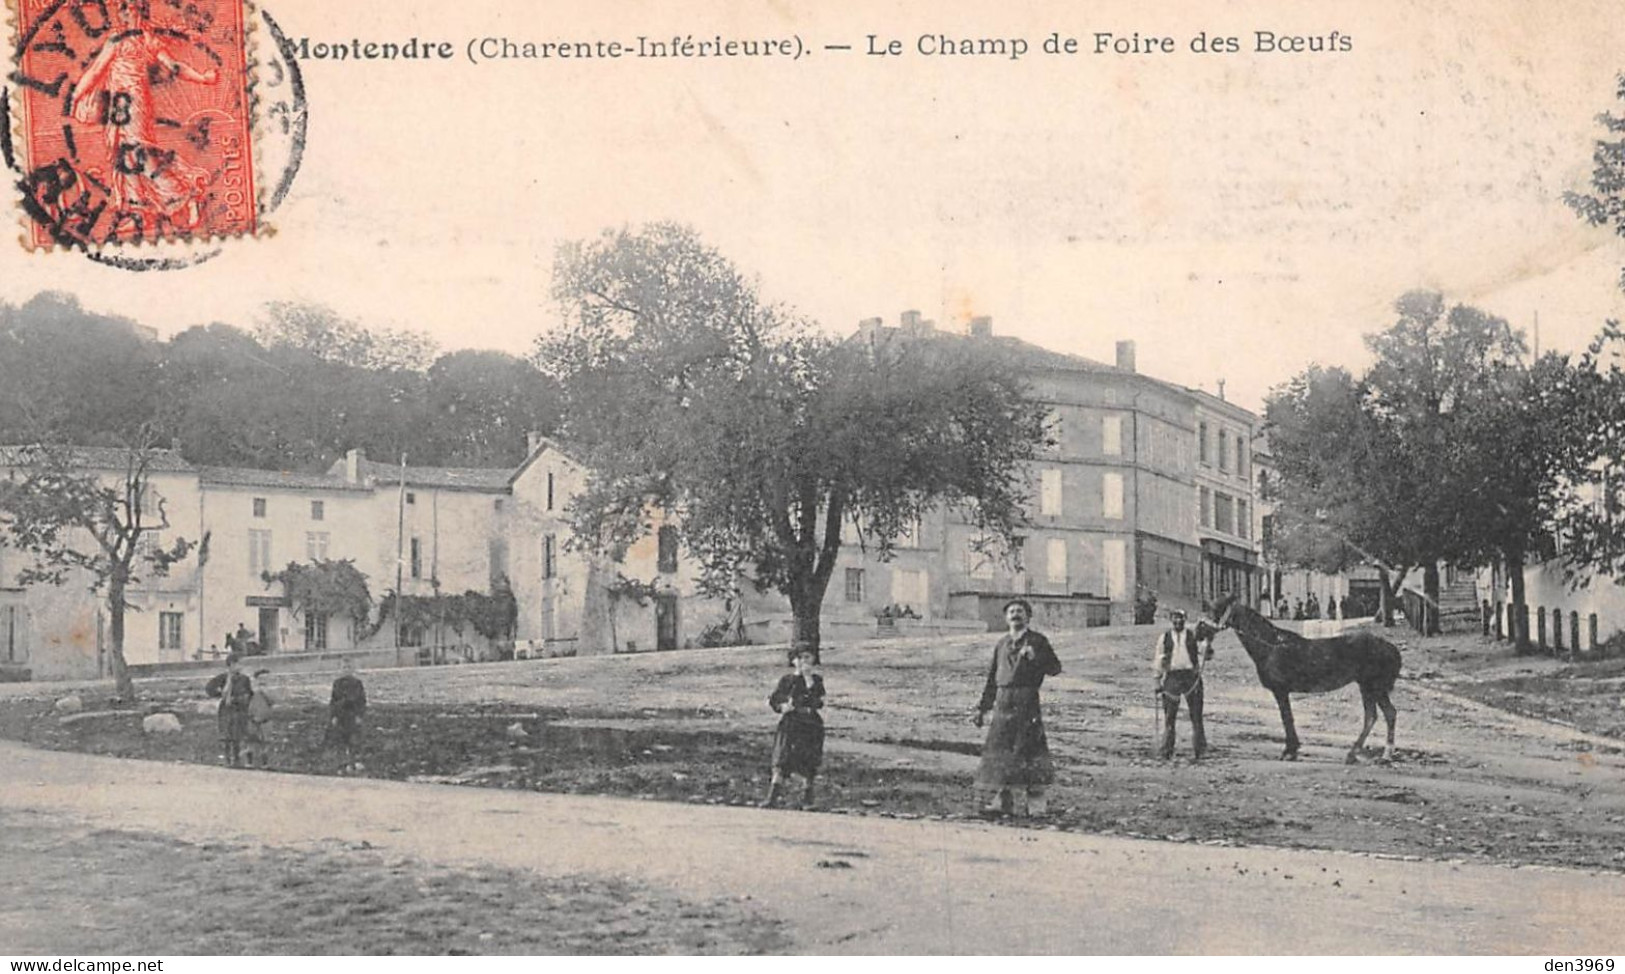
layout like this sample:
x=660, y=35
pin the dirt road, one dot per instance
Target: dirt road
x=860, y=885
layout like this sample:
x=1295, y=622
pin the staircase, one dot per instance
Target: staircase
x=1459, y=610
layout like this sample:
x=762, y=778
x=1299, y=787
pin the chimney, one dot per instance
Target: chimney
x=1125, y=356
x=1221, y=389
x=981, y=327
x=533, y=442
x=353, y=459
x=911, y=320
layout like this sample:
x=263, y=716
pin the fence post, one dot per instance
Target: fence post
x=1593, y=632
x=1498, y=630
x=1574, y=632
x=1557, y=629
x=1484, y=618
x=1540, y=627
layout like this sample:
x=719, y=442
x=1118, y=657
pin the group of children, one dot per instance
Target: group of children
x=245, y=709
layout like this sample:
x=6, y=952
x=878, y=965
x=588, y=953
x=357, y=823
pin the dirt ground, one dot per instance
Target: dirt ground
x=1469, y=781
x=338, y=899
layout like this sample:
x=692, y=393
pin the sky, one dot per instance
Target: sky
x=1239, y=216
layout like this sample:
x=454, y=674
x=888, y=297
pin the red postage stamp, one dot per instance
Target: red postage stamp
x=134, y=121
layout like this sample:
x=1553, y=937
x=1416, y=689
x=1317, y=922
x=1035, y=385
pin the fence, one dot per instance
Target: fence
x=1553, y=633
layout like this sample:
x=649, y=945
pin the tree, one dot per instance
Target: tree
x=689, y=394
x=1590, y=492
x=1404, y=465
x=1341, y=492
x=71, y=375
x=56, y=506
x=480, y=407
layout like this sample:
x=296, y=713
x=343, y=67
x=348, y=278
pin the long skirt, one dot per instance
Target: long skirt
x=1016, y=753
x=798, y=745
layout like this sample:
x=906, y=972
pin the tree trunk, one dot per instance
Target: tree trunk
x=1516, y=624
x=1385, y=596
x=123, y=685
x=1430, y=598
x=806, y=612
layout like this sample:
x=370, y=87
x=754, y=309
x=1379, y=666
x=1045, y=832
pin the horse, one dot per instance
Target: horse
x=1288, y=663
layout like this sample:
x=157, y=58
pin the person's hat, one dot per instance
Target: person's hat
x=1177, y=614
x=1027, y=606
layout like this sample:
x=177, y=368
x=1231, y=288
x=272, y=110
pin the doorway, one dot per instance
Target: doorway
x=665, y=622
x=270, y=619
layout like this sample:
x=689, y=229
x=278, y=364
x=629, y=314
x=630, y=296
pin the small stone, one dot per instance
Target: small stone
x=161, y=724
x=70, y=704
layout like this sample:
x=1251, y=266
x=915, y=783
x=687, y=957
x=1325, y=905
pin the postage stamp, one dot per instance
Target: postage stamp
x=133, y=121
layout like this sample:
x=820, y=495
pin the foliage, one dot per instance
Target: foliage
x=689, y=393
x=326, y=588
x=492, y=616
x=57, y=507
x=1591, y=490
x=1604, y=206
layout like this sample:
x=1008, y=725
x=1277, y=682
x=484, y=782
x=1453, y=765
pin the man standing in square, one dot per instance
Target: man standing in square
x=1178, y=667
x=1015, y=755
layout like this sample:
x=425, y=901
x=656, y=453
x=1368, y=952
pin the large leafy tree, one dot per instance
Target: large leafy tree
x=479, y=407
x=1406, y=464
x=94, y=512
x=689, y=393
x=73, y=375
x=1342, y=493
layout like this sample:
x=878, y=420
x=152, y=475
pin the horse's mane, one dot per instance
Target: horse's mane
x=1261, y=628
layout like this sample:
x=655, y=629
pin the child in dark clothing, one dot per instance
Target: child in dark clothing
x=798, y=746
x=235, y=690
x=345, y=707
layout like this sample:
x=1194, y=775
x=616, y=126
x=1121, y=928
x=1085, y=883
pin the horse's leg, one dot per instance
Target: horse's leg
x=1388, y=713
x=1284, y=701
x=1369, y=701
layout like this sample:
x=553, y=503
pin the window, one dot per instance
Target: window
x=1115, y=554
x=550, y=490
x=910, y=537
x=318, y=510
x=549, y=555
x=1111, y=496
x=259, y=552
x=911, y=589
x=146, y=545
x=667, y=556
x=1241, y=456
x=417, y=558
x=1201, y=443
x=1224, y=513
x=497, y=561
x=1224, y=451
x=411, y=498
x=1049, y=493
x=1111, y=436
x=315, y=630
x=978, y=559
x=1054, y=430
x=12, y=649
x=259, y=507
x=1205, y=506
x=169, y=630
x=1264, y=484
x=1244, y=525
x=496, y=505
x=1055, y=558
x=854, y=585
x=316, y=545
x=1267, y=530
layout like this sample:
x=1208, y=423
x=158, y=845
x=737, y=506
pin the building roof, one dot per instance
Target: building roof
x=102, y=458
x=450, y=478
x=275, y=479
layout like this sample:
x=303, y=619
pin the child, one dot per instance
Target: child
x=345, y=707
x=798, y=746
x=235, y=690
x=256, y=751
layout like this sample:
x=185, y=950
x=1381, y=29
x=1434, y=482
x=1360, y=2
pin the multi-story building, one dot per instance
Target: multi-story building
x=1225, y=497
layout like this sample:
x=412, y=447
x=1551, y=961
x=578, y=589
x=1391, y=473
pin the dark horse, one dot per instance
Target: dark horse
x=1289, y=663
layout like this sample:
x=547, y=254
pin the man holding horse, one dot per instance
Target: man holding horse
x=1178, y=666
